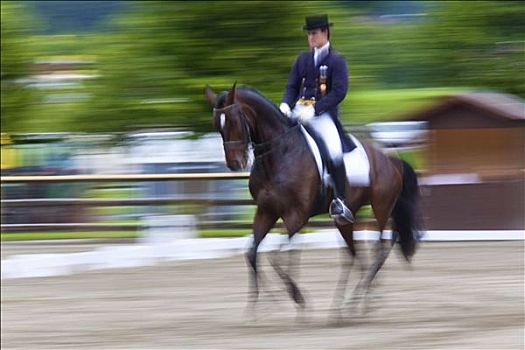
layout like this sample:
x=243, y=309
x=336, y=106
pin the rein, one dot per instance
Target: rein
x=270, y=145
x=260, y=149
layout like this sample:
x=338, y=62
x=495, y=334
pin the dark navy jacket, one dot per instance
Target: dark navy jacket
x=303, y=82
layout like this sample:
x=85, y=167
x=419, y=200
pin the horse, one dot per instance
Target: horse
x=285, y=184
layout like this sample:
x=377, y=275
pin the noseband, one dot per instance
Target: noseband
x=247, y=138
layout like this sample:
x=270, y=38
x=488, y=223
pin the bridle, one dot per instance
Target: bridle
x=237, y=143
x=260, y=149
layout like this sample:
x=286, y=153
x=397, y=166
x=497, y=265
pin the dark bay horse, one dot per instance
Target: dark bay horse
x=285, y=183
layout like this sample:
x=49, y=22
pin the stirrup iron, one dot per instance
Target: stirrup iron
x=340, y=212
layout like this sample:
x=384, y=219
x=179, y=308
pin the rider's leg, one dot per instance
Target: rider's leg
x=323, y=130
x=338, y=208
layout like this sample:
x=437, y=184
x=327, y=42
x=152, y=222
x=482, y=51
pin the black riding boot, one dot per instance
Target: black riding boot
x=338, y=209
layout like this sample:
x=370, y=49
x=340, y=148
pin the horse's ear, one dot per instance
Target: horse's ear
x=231, y=95
x=210, y=95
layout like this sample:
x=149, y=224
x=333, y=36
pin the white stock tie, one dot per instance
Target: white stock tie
x=319, y=53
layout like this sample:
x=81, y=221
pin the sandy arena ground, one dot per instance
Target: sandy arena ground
x=462, y=295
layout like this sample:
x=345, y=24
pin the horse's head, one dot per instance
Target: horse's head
x=230, y=121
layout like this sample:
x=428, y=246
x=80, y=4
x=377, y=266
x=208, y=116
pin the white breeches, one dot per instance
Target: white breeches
x=325, y=129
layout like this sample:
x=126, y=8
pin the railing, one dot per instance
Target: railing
x=96, y=202
x=137, y=177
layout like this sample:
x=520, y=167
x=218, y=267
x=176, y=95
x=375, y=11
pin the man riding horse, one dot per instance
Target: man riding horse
x=284, y=179
x=317, y=84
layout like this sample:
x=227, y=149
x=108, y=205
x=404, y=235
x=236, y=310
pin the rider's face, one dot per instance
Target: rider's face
x=317, y=37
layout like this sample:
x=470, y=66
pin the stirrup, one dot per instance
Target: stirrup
x=340, y=212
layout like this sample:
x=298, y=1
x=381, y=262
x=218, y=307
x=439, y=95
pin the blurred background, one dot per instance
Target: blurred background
x=116, y=87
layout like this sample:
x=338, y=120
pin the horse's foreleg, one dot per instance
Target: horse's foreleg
x=262, y=224
x=288, y=276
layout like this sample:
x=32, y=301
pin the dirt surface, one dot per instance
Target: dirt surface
x=462, y=295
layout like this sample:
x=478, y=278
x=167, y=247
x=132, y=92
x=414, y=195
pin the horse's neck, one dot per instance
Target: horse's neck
x=266, y=123
x=285, y=149
x=267, y=132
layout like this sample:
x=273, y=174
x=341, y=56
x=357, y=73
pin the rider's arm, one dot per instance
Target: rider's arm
x=293, y=85
x=338, y=90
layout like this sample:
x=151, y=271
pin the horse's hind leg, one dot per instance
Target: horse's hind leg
x=382, y=204
x=383, y=198
x=381, y=252
x=262, y=224
x=347, y=232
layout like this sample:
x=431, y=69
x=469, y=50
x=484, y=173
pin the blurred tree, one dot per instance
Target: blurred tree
x=15, y=59
x=155, y=57
x=477, y=44
x=154, y=71
x=74, y=16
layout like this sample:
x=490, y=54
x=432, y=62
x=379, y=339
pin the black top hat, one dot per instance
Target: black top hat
x=315, y=22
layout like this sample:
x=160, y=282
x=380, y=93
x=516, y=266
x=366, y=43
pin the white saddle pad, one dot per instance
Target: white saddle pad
x=356, y=162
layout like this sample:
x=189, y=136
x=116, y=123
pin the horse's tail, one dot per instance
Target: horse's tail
x=406, y=214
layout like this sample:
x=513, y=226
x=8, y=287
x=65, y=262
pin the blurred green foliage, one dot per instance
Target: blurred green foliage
x=16, y=57
x=152, y=63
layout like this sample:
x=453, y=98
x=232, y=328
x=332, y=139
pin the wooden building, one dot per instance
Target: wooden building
x=475, y=162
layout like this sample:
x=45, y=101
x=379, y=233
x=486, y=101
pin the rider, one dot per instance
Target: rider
x=317, y=84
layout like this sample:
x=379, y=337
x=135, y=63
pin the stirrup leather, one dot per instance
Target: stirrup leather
x=340, y=212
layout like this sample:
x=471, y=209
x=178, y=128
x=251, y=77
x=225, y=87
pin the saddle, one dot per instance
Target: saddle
x=356, y=161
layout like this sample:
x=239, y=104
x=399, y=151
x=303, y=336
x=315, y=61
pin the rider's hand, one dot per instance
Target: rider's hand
x=306, y=114
x=286, y=110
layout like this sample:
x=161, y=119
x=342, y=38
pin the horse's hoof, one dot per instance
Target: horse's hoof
x=351, y=307
x=337, y=319
x=299, y=299
x=250, y=315
x=301, y=316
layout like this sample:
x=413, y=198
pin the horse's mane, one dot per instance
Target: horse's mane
x=268, y=103
x=260, y=95
x=221, y=101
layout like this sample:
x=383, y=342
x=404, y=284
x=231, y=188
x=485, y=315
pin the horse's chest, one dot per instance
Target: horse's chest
x=268, y=193
x=275, y=196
